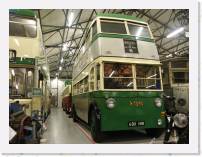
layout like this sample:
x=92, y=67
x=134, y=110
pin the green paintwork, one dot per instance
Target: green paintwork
x=22, y=12
x=36, y=92
x=118, y=117
x=121, y=16
x=123, y=36
x=68, y=82
x=24, y=61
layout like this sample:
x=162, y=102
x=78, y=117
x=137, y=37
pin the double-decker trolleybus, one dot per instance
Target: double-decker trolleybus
x=117, y=81
x=176, y=81
x=67, y=97
x=28, y=71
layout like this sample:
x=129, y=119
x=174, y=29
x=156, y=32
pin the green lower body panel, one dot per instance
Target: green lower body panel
x=132, y=110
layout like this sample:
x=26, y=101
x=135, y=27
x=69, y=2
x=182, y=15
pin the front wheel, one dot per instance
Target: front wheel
x=95, y=127
x=154, y=132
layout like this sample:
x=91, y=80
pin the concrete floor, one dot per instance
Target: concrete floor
x=62, y=130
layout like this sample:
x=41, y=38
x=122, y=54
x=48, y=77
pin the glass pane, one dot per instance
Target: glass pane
x=147, y=71
x=180, y=77
x=148, y=83
x=30, y=80
x=118, y=83
x=117, y=70
x=179, y=64
x=98, y=76
x=139, y=31
x=94, y=29
x=92, y=79
x=17, y=84
x=147, y=77
x=21, y=82
x=22, y=27
x=165, y=76
x=86, y=84
x=110, y=27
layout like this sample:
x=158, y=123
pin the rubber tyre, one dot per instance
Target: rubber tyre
x=74, y=116
x=95, y=127
x=154, y=132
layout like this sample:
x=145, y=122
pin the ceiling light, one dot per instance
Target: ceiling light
x=129, y=84
x=64, y=47
x=187, y=34
x=177, y=31
x=70, y=19
x=112, y=73
x=13, y=72
x=168, y=56
x=44, y=67
x=62, y=60
x=153, y=85
x=152, y=76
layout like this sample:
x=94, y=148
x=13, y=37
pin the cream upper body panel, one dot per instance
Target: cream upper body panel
x=26, y=46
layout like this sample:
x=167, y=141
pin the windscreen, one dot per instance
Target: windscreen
x=139, y=31
x=22, y=27
x=113, y=27
x=148, y=77
x=118, y=76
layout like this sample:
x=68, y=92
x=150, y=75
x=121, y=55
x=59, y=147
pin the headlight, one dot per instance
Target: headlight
x=157, y=102
x=159, y=122
x=180, y=120
x=181, y=102
x=110, y=103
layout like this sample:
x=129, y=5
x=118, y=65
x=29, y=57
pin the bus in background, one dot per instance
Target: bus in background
x=29, y=78
x=176, y=81
x=117, y=82
x=67, y=97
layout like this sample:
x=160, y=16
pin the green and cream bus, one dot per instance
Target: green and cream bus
x=117, y=82
x=29, y=77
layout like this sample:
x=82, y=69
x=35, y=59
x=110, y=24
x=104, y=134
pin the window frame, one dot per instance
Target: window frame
x=111, y=21
x=25, y=82
x=126, y=22
x=25, y=18
x=133, y=76
x=137, y=24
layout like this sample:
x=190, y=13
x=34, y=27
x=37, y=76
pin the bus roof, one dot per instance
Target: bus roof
x=120, y=16
x=22, y=12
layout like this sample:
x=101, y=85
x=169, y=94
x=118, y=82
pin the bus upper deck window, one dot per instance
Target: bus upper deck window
x=22, y=27
x=113, y=27
x=139, y=31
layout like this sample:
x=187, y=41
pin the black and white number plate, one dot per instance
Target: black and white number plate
x=135, y=123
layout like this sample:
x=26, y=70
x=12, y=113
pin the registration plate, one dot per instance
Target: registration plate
x=135, y=123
